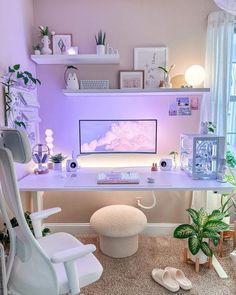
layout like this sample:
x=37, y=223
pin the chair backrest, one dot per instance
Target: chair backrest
x=26, y=256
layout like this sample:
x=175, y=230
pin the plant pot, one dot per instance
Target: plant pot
x=100, y=49
x=37, y=52
x=57, y=166
x=46, y=41
x=200, y=255
x=167, y=82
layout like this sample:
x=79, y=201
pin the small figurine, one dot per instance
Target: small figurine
x=154, y=167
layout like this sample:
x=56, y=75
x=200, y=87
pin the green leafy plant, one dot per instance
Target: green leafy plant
x=100, y=38
x=167, y=70
x=211, y=127
x=228, y=204
x=69, y=67
x=57, y=158
x=204, y=226
x=230, y=159
x=14, y=77
x=4, y=234
x=37, y=47
x=44, y=31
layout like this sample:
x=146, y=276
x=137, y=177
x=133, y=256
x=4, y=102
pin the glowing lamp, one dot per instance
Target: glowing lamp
x=195, y=75
x=72, y=50
x=49, y=139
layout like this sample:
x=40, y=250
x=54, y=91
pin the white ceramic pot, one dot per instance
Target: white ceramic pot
x=100, y=49
x=37, y=52
x=46, y=49
x=167, y=81
x=202, y=257
x=57, y=166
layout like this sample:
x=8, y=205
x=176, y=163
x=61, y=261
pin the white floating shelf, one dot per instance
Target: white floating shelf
x=122, y=92
x=76, y=59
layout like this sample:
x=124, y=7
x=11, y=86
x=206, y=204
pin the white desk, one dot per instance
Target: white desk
x=86, y=180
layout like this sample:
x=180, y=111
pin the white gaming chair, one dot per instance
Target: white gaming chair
x=51, y=265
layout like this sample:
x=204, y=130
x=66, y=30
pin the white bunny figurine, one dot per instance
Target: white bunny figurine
x=72, y=82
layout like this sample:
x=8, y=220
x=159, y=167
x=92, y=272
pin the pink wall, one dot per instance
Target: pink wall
x=16, y=23
x=179, y=25
x=128, y=24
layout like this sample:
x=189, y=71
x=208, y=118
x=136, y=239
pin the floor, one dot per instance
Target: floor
x=131, y=276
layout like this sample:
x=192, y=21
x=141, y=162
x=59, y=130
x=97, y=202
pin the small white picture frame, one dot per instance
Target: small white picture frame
x=132, y=79
x=61, y=43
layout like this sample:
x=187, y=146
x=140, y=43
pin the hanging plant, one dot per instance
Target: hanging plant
x=14, y=78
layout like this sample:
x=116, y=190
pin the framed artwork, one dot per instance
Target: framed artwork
x=149, y=59
x=60, y=43
x=132, y=79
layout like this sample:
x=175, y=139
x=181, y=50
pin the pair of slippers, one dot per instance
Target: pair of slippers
x=171, y=278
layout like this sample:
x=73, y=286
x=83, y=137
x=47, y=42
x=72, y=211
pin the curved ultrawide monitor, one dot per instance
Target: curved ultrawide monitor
x=118, y=136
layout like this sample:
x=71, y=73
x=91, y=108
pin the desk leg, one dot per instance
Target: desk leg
x=37, y=201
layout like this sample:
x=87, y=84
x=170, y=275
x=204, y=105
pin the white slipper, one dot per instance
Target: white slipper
x=180, y=278
x=163, y=277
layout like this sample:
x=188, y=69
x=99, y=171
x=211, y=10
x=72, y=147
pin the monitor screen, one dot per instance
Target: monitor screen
x=118, y=136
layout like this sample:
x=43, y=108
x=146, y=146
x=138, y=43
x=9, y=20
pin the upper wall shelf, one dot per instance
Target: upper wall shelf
x=115, y=92
x=76, y=59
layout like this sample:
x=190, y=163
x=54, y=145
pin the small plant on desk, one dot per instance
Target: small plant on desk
x=57, y=160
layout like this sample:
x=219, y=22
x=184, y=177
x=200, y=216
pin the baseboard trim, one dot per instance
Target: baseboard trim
x=159, y=229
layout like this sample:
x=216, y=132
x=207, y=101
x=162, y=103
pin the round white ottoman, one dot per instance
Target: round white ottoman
x=118, y=227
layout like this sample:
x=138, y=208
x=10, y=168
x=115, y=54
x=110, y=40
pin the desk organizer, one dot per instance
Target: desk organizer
x=200, y=155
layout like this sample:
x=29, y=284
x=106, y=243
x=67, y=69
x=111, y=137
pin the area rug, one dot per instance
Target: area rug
x=132, y=275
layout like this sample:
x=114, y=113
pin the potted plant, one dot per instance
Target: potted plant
x=45, y=34
x=205, y=228
x=57, y=160
x=100, y=41
x=174, y=154
x=167, y=71
x=37, y=49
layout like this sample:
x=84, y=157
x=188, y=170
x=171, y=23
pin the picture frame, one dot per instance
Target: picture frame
x=60, y=43
x=150, y=59
x=131, y=79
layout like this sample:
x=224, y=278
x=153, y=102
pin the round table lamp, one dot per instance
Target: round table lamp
x=195, y=75
x=227, y=5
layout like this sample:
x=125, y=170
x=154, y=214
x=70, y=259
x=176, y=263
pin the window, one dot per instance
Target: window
x=231, y=127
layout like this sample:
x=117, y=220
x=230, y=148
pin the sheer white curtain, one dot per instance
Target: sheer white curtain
x=218, y=65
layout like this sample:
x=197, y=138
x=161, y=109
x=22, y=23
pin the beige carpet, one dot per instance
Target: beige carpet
x=131, y=276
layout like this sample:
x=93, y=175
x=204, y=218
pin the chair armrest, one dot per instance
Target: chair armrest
x=68, y=257
x=72, y=254
x=37, y=217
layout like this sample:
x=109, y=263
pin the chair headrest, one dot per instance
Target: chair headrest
x=17, y=142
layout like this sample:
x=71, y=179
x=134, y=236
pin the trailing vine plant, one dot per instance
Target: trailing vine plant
x=15, y=77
